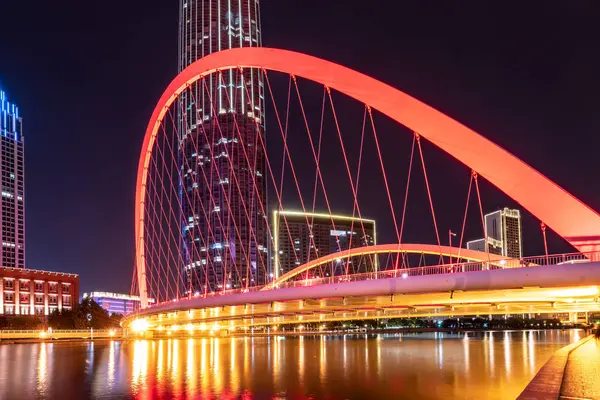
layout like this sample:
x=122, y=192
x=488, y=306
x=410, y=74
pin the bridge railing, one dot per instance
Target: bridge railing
x=470, y=266
x=555, y=259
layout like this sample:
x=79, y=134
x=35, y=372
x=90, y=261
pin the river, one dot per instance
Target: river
x=476, y=365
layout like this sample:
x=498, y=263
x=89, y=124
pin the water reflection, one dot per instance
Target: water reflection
x=335, y=367
x=42, y=366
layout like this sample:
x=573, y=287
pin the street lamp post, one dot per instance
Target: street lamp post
x=450, y=234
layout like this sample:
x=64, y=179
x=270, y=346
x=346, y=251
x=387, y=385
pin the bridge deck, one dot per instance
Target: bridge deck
x=544, y=289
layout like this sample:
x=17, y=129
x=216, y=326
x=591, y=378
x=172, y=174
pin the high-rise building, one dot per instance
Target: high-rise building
x=301, y=237
x=13, y=194
x=221, y=126
x=504, y=236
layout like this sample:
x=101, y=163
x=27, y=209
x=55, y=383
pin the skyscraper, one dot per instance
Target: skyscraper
x=221, y=127
x=13, y=196
x=298, y=241
x=504, y=237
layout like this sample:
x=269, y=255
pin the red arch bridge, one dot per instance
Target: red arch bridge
x=207, y=252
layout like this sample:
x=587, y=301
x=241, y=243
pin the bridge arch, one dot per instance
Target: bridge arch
x=404, y=248
x=558, y=209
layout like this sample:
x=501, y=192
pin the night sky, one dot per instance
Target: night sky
x=86, y=76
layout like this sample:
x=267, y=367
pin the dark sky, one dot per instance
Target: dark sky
x=87, y=75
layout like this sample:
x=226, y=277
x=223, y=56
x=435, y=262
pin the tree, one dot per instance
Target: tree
x=86, y=315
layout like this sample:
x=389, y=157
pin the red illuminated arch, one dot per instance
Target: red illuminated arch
x=558, y=209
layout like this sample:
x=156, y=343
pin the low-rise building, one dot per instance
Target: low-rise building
x=116, y=303
x=33, y=292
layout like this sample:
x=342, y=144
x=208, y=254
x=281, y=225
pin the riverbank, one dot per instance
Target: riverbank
x=571, y=372
x=73, y=340
x=59, y=337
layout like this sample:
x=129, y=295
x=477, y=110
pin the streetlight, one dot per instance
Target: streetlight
x=450, y=234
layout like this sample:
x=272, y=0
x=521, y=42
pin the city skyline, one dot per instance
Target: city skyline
x=56, y=253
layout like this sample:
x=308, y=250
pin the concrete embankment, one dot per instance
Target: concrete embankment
x=569, y=370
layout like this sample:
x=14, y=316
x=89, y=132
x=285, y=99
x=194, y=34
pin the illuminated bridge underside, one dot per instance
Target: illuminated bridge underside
x=408, y=248
x=544, y=289
x=557, y=208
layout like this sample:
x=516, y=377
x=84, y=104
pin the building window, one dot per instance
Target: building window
x=65, y=288
x=39, y=299
x=52, y=287
x=9, y=310
x=24, y=286
x=39, y=311
x=9, y=284
x=39, y=286
x=52, y=300
x=24, y=298
x=9, y=297
x=66, y=300
x=24, y=310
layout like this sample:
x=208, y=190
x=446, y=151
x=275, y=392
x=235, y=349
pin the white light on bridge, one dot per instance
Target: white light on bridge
x=139, y=325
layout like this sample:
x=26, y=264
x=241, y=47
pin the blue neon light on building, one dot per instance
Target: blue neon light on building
x=12, y=176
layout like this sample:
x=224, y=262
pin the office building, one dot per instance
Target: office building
x=221, y=125
x=116, y=303
x=504, y=234
x=302, y=237
x=33, y=292
x=13, y=193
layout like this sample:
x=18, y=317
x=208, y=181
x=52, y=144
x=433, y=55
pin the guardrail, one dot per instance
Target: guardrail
x=60, y=334
x=471, y=266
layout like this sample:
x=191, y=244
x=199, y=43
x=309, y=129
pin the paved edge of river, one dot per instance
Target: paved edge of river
x=546, y=384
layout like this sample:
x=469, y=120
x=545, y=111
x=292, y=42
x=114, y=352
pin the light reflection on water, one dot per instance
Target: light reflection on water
x=429, y=366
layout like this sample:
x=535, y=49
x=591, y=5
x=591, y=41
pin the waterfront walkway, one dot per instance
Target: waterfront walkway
x=572, y=373
x=582, y=374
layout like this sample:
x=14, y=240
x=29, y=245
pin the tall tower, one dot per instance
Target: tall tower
x=12, y=175
x=504, y=234
x=221, y=127
x=503, y=229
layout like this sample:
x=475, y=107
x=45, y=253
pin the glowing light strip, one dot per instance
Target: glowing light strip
x=323, y=215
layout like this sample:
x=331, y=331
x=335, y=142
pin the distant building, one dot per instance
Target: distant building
x=504, y=234
x=32, y=292
x=301, y=237
x=12, y=175
x=477, y=244
x=116, y=303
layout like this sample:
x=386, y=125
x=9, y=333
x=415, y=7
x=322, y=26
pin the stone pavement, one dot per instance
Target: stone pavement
x=582, y=376
x=572, y=373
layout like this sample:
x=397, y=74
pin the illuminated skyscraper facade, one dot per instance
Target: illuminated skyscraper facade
x=221, y=126
x=302, y=237
x=504, y=236
x=13, y=194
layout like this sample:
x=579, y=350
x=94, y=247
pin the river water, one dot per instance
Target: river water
x=485, y=365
